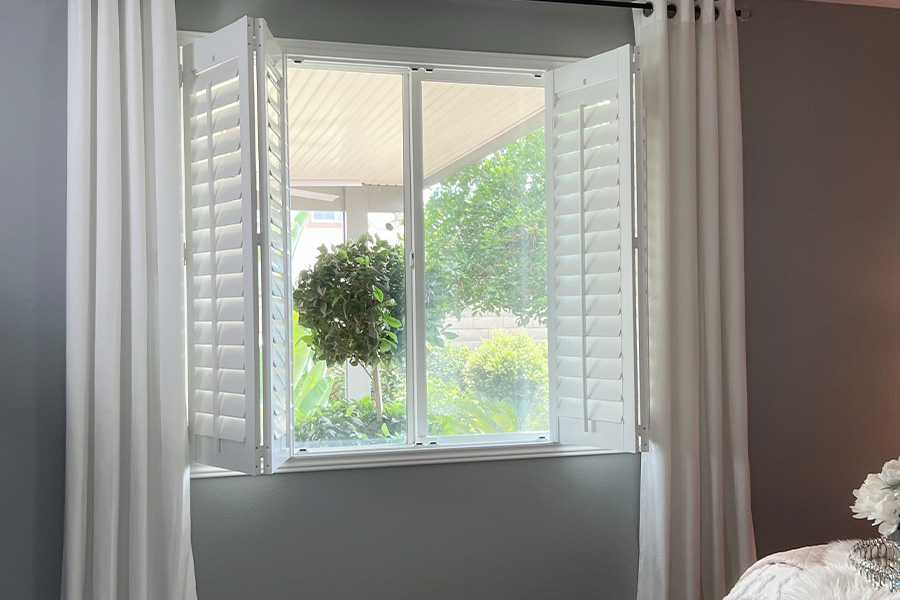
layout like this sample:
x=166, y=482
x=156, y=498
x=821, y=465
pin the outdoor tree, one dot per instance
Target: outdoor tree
x=351, y=302
x=486, y=236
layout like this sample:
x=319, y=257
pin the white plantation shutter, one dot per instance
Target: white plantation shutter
x=591, y=252
x=225, y=167
x=275, y=263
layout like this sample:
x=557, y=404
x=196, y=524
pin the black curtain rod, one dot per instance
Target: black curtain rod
x=646, y=7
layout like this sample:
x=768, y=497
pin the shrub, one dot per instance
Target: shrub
x=511, y=368
x=447, y=362
x=352, y=422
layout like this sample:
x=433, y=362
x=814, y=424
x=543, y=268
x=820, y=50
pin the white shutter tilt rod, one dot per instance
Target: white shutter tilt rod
x=646, y=7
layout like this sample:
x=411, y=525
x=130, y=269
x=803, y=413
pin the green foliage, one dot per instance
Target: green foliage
x=486, y=234
x=510, y=368
x=501, y=386
x=393, y=382
x=312, y=384
x=352, y=422
x=469, y=392
x=446, y=363
x=351, y=302
x=453, y=411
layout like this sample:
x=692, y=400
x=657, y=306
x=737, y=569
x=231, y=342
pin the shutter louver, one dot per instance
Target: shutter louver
x=591, y=252
x=226, y=285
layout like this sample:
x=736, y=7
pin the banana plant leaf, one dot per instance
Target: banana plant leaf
x=312, y=384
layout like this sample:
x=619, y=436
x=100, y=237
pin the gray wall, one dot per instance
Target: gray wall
x=488, y=25
x=821, y=101
x=556, y=528
x=32, y=295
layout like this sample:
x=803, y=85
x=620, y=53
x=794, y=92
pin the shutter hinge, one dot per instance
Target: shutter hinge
x=644, y=438
x=180, y=75
x=636, y=59
x=184, y=253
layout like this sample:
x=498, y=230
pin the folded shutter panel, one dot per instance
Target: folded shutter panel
x=235, y=255
x=591, y=252
x=275, y=262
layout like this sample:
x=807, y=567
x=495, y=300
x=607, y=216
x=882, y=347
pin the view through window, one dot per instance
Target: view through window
x=484, y=236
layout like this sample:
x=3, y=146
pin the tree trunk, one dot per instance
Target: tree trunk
x=376, y=392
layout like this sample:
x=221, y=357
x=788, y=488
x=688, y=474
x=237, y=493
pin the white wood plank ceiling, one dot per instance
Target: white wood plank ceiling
x=347, y=126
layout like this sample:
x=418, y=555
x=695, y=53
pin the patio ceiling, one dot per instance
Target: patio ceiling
x=347, y=126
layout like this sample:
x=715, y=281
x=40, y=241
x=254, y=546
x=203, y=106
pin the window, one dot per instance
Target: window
x=447, y=259
x=324, y=216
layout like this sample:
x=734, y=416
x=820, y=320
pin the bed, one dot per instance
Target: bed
x=811, y=573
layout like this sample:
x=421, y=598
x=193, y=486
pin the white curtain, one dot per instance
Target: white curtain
x=127, y=520
x=696, y=533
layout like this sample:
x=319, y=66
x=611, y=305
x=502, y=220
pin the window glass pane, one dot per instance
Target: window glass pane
x=485, y=243
x=346, y=151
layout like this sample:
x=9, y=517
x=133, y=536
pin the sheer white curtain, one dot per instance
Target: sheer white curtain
x=127, y=520
x=696, y=533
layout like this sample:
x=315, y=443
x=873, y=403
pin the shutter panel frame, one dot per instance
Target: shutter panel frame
x=211, y=187
x=593, y=251
x=275, y=265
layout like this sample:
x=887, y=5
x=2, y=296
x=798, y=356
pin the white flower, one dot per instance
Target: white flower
x=887, y=512
x=890, y=472
x=867, y=496
x=878, y=498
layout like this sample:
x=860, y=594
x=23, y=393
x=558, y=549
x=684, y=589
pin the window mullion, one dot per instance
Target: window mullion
x=417, y=417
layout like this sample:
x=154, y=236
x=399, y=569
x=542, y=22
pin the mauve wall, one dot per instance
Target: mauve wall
x=821, y=100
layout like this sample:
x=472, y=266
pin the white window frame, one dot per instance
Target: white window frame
x=418, y=65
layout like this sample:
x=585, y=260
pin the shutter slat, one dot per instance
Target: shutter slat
x=223, y=94
x=593, y=200
x=227, y=309
x=229, y=213
x=228, y=380
x=230, y=405
x=219, y=120
x=597, y=347
x=231, y=334
x=598, y=410
x=224, y=142
x=597, y=368
x=228, y=190
x=227, y=261
x=595, y=179
x=601, y=135
x=594, y=158
x=220, y=73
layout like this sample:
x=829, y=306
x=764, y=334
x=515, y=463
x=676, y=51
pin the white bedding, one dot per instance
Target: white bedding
x=812, y=573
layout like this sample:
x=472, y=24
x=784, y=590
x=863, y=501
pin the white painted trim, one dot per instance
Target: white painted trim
x=360, y=458
x=432, y=64
x=425, y=58
x=414, y=227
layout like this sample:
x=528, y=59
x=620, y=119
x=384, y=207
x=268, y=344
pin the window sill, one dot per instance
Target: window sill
x=412, y=455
